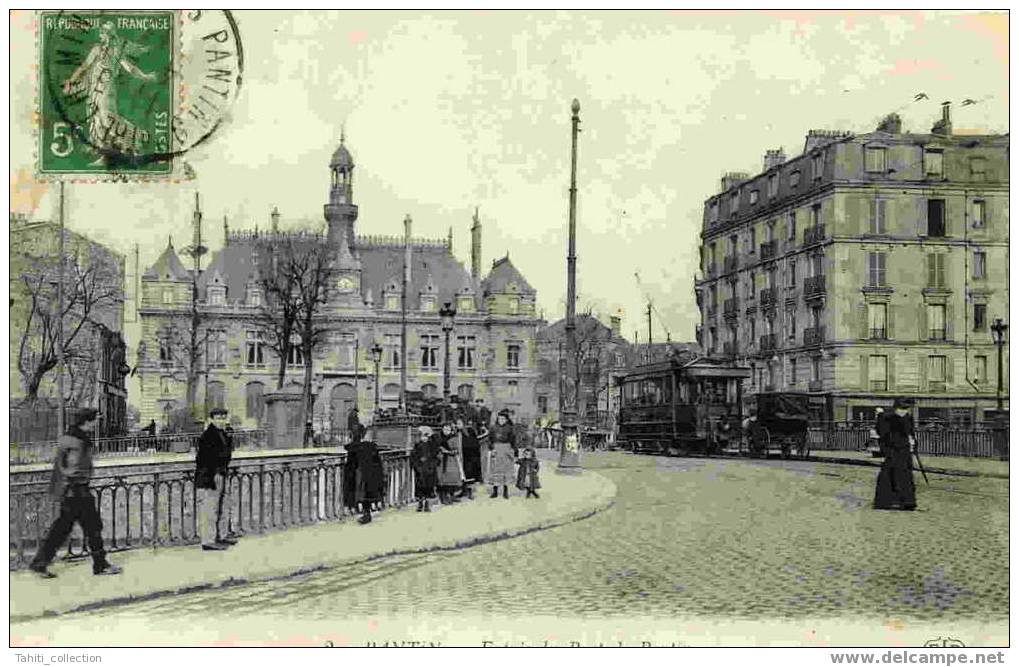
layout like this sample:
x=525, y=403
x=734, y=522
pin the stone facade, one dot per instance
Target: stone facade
x=492, y=345
x=869, y=267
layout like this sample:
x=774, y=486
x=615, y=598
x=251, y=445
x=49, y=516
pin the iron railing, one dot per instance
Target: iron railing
x=767, y=342
x=977, y=443
x=133, y=445
x=814, y=286
x=768, y=297
x=812, y=235
x=731, y=263
x=155, y=506
x=813, y=336
x=767, y=250
x=731, y=307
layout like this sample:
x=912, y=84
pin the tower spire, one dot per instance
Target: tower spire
x=476, y=248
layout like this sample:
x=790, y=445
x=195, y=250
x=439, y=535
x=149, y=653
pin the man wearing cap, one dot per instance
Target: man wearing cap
x=211, y=463
x=895, y=489
x=69, y=485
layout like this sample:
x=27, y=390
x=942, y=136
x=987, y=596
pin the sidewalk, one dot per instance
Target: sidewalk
x=943, y=465
x=152, y=573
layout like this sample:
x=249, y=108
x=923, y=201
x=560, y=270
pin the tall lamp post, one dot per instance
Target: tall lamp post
x=569, y=454
x=447, y=313
x=377, y=358
x=999, y=328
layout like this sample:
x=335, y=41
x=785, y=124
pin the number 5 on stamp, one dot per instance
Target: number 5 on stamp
x=106, y=92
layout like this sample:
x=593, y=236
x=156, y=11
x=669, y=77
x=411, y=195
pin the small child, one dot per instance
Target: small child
x=527, y=473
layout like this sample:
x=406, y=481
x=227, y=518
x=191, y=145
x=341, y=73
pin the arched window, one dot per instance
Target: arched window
x=254, y=400
x=429, y=390
x=465, y=392
x=391, y=392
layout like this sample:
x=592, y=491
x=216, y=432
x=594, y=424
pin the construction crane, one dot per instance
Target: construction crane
x=651, y=308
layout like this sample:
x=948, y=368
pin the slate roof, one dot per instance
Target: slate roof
x=502, y=274
x=168, y=267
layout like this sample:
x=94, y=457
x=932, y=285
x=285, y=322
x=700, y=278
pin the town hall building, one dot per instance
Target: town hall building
x=492, y=344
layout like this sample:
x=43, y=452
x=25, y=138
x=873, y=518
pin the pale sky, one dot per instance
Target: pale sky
x=445, y=111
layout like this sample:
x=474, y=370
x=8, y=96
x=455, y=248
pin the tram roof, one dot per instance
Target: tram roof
x=698, y=367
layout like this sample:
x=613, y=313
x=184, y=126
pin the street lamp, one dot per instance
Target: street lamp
x=447, y=313
x=999, y=328
x=377, y=358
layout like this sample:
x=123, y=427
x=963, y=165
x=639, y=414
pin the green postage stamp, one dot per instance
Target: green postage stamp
x=106, y=92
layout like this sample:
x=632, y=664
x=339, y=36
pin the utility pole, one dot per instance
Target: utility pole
x=569, y=455
x=649, y=332
x=999, y=328
x=403, y=315
x=60, y=322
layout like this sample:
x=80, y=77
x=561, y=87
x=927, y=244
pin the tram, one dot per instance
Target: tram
x=677, y=407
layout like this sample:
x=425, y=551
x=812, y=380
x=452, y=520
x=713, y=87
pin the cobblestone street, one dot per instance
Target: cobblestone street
x=738, y=539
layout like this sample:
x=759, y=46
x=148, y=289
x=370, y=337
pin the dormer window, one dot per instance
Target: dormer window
x=754, y=195
x=794, y=179
x=428, y=303
x=817, y=166
x=345, y=284
x=392, y=302
x=254, y=296
x=874, y=159
x=514, y=306
x=465, y=304
x=217, y=295
x=167, y=295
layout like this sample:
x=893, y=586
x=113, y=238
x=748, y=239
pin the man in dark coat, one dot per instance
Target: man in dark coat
x=223, y=534
x=484, y=414
x=895, y=489
x=424, y=459
x=472, y=456
x=211, y=463
x=354, y=425
x=364, y=478
x=69, y=486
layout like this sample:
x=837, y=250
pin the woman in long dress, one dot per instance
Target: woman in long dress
x=895, y=489
x=502, y=454
x=450, y=468
x=471, y=457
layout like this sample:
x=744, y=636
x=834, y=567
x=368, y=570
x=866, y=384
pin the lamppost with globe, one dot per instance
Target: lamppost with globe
x=377, y=358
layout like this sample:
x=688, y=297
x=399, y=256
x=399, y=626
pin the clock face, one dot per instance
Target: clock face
x=345, y=284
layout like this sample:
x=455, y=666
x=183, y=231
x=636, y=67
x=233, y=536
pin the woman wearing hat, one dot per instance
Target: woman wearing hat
x=895, y=489
x=450, y=475
x=503, y=455
x=424, y=459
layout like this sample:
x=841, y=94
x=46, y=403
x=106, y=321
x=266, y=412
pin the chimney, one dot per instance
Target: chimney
x=944, y=126
x=733, y=178
x=892, y=124
x=615, y=322
x=817, y=138
x=275, y=215
x=226, y=232
x=773, y=158
x=476, y=248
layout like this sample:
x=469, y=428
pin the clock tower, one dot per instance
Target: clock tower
x=340, y=214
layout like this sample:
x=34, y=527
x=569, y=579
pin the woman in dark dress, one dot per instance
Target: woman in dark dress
x=502, y=454
x=895, y=489
x=425, y=462
x=472, y=457
x=450, y=473
x=364, y=478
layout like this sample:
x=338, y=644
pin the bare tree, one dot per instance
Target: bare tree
x=90, y=285
x=295, y=285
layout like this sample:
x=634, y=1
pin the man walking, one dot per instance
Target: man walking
x=69, y=485
x=211, y=464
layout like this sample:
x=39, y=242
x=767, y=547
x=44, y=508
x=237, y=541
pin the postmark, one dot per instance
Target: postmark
x=125, y=94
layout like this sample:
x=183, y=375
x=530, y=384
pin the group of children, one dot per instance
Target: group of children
x=448, y=462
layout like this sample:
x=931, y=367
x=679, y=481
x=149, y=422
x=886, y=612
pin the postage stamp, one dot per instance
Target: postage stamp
x=106, y=92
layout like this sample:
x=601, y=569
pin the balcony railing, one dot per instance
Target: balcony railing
x=813, y=336
x=768, y=297
x=731, y=307
x=767, y=342
x=712, y=270
x=729, y=349
x=767, y=250
x=814, y=286
x=936, y=334
x=815, y=385
x=879, y=333
x=812, y=235
x=731, y=263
